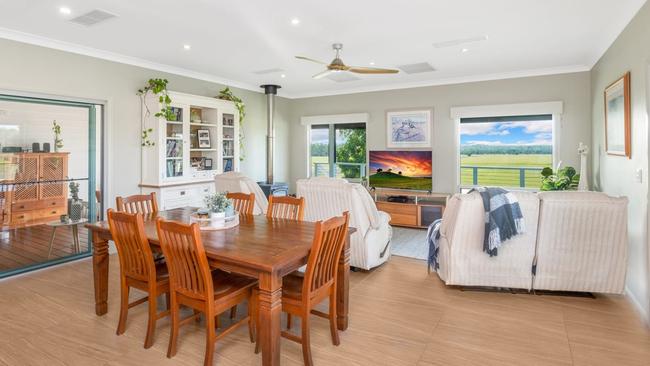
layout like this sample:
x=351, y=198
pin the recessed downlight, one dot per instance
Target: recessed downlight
x=464, y=50
x=283, y=76
x=295, y=21
x=372, y=63
x=65, y=10
x=187, y=47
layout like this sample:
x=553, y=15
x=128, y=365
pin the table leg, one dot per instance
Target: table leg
x=100, y=273
x=270, y=309
x=49, y=252
x=75, y=238
x=343, y=287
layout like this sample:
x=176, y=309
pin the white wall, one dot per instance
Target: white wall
x=36, y=69
x=616, y=175
x=572, y=89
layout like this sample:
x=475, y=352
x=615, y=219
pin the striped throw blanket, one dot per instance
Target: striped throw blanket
x=503, y=218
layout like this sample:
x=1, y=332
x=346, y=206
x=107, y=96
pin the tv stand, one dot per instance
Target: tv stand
x=415, y=209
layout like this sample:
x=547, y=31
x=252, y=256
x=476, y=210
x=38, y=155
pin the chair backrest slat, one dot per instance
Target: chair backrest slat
x=329, y=238
x=244, y=203
x=189, y=272
x=286, y=207
x=136, y=258
x=145, y=204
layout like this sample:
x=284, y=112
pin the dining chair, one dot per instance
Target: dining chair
x=242, y=202
x=286, y=207
x=194, y=285
x=137, y=269
x=301, y=293
x=145, y=204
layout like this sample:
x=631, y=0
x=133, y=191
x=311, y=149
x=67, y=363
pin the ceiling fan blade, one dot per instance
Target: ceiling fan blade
x=371, y=70
x=321, y=75
x=311, y=59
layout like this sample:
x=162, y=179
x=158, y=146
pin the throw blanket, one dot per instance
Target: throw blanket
x=433, y=235
x=503, y=218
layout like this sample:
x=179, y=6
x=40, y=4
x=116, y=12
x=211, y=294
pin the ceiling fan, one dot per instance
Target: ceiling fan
x=337, y=65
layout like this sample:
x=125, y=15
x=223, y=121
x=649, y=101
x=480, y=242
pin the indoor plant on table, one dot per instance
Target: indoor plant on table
x=217, y=205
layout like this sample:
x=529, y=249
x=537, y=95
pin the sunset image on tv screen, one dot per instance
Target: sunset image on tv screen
x=400, y=169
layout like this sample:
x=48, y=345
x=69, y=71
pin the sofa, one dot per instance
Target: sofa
x=326, y=197
x=238, y=182
x=574, y=241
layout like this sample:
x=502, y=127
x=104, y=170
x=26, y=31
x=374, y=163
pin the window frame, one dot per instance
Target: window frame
x=555, y=109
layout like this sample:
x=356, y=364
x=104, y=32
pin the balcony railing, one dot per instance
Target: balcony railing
x=522, y=177
x=350, y=171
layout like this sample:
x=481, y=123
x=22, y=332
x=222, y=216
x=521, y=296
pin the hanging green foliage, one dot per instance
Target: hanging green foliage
x=226, y=94
x=157, y=87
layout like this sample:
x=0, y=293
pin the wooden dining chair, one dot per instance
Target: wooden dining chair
x=137, y=269
x=145, y=204
x=301, y=293
x=286, y=207
x=194, y=285
x=244, y=203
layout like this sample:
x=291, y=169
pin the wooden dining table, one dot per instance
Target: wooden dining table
x=259, y=247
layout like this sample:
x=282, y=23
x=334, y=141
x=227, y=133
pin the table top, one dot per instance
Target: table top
x=257, y=242
x=67, y=223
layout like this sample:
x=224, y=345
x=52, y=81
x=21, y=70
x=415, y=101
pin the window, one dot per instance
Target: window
x=338, y=150
x=505, y=151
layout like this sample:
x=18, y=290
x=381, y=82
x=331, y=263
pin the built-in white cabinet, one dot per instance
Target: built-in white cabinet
x=201, y=141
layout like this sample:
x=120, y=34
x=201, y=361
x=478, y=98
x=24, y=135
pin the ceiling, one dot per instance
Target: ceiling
x=232, y=40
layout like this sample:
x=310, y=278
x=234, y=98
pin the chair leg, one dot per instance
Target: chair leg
x=210, y=338
x=168, y=300
x=306, y=346
x=251, y=317
x=171, y=350
x=151, y=325
x=124, y=307
x=332, y=318
x=233, y=312
x=289, y=321
x=198, y=318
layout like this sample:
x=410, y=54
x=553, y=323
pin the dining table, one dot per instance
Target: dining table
x=264, y=248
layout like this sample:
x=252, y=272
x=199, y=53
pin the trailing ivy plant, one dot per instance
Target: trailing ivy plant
x=226, y=94
x=157, y=87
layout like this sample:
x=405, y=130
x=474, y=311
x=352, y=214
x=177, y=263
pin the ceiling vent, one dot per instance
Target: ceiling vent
x=416, y=68
x=342, y=77
x=268, y=71
x=93, y=17
x=459, y=41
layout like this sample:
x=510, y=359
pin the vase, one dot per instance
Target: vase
x=75, y=210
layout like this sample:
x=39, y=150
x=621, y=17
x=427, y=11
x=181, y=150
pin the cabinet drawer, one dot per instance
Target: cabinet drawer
x=400, y=213
x=34, y=205
x=20, y=218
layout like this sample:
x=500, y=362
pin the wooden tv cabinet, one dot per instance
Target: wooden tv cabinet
x=420, y=210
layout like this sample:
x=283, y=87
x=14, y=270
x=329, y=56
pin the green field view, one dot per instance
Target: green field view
x=393, y=180
x=504, y=178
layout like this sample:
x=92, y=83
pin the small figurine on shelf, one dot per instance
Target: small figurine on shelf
x=75, y=205
x=58, y=141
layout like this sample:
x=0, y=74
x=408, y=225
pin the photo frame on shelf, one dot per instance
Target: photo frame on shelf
x=618, y=133
x=196, y=115
x=409, y=128
x=207, y=163
x=204, y=139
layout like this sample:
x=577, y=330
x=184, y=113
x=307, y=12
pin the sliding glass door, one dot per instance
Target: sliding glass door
x=49, y=173
x=338, y=150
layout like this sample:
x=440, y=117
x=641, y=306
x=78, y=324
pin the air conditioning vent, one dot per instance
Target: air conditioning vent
x=268, y=71
x=93, y=17
x=416, y=68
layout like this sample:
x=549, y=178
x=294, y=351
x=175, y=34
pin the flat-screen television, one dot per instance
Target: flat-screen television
x=400, y=170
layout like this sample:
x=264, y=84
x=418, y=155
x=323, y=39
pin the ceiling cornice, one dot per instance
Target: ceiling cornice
x=134, y=61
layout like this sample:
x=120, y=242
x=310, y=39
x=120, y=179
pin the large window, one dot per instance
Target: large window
x=505, y=151
x=338, y=150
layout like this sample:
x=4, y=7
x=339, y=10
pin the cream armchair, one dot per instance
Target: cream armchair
x=328, y=197
x=237, y=182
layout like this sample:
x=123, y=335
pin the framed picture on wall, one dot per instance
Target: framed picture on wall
x=617, y=118
x=409, y=128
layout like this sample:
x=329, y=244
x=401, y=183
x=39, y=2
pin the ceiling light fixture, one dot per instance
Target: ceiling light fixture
x=372, y=63
x=295, y=21
x=65, y=11
x=187, y=47
x=464, y=50
x=283, y=76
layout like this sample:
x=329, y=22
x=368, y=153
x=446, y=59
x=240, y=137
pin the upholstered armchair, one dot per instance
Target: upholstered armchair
x=238, y=182
x=329, y=197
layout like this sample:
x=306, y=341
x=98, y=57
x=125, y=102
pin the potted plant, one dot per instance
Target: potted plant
x=561, y=180
x=217, y=204
x=75, y=205
x=58, y=141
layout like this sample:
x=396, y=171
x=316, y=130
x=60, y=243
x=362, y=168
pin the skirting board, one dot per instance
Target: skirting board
x=637, y=306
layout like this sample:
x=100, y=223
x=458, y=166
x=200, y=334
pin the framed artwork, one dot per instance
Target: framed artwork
x=409, y=128
x=617, y=118
x=204, y=139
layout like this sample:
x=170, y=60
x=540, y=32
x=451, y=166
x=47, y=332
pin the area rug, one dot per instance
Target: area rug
x=411, y=243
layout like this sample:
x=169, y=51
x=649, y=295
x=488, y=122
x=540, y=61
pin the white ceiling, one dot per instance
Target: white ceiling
x=230, y=40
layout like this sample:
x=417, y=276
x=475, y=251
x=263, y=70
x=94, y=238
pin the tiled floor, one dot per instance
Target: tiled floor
x=399, y=316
